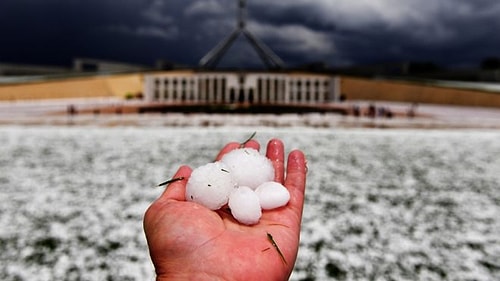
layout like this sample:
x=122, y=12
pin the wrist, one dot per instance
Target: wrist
x=190, y=277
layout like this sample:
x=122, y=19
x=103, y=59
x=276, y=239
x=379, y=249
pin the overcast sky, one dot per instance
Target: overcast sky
x=338, y=32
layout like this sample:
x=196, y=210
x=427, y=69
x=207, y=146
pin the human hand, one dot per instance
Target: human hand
x=188, y=241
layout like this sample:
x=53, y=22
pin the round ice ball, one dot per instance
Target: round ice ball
x=272, y=195
x=210, y=185
x=249, y=167
x=244, y=205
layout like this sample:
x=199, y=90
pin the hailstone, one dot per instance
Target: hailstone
x=249, y=167
x=272, y=195
x=244, y=205
x=210, y=185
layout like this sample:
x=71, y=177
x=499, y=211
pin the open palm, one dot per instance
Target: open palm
x=190, y=242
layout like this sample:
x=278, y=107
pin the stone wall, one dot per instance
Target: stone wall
x=368, y=89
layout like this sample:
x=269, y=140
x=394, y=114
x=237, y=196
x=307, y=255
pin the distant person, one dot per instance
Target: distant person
x=342, y=97
x=356, y=110
x=381, y=111
x=190, y=242
x=388, y=113
x=372, y=110
x=71, y=109
x=412, y=111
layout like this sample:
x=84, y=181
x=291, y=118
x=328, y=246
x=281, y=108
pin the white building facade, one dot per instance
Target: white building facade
x=235, y=87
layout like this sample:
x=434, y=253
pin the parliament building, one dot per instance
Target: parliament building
x=236, y=87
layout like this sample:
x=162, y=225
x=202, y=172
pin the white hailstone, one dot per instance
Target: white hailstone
x=272, y=195
x=244, y=205
x=210, y=185
x=249, y=167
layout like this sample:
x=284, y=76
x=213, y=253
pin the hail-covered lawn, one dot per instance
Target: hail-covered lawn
x=380, y=204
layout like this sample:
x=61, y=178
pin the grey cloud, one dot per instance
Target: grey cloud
x=335, y=31
x=346, y=31
x=295, y=38
x=206, y=8
x=401, y=30
x=155, y=13
x=146, y=31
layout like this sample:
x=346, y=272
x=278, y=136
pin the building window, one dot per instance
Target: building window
x=215, y=88
x=259, y=89
x=250, y=96
x=268, y=86
x=241, y=95
x=200, y=90
x=232, y=95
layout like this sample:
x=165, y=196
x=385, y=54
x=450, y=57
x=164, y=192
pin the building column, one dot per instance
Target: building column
x=206, y=89
x=210, y=89
x=161, y=89
x=178, y=97
x=336, y=88
x=313, y=98
x=312, y=92
x=196, y=89
x=189, y=89
x=218, y=85
x=281, y=89
x=321, y=91
x=286, y=89
x=149, y=88
x=172, y=89
x=227, y=94
x=272, y=90
x=279, y=95
x=199, y=87
x=307, y=90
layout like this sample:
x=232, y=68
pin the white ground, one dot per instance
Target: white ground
x=380, y=204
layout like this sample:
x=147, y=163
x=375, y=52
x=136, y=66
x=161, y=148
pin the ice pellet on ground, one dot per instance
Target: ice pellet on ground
x=249, y=167
x=210, y=185
x=272, y=195
x=244, y=205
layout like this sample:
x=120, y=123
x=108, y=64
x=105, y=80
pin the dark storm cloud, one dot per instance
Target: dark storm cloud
x=339, y=32
x=445, y=31
x=53, y=31
x=343, y=32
